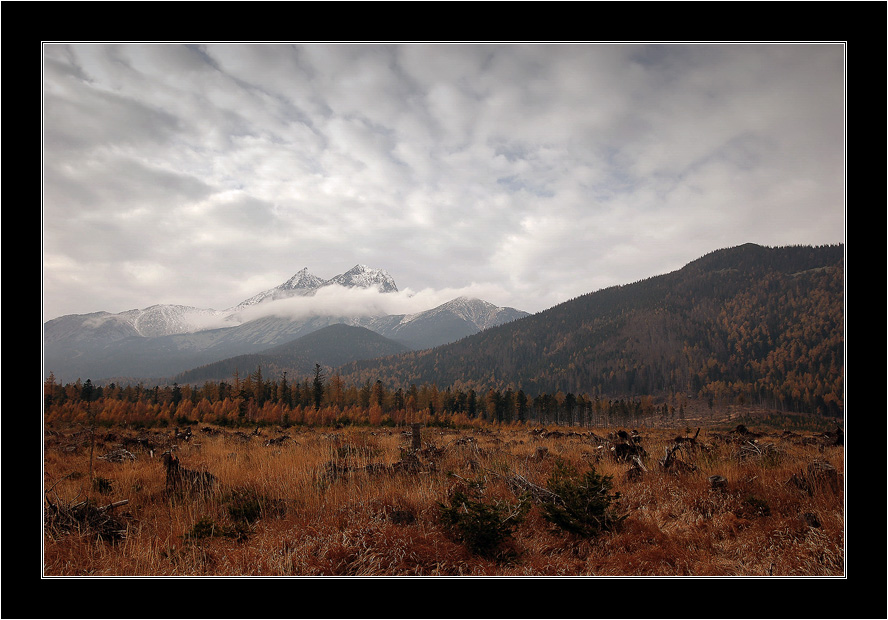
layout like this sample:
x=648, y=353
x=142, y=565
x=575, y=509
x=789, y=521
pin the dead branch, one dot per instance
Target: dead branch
x=118, y=456
x=85, y=518
x=639, y=463
x=122, y=502
x=50, y=489
x=637, y=469
x=753, y=449
x=672, y=464
x=521, y=485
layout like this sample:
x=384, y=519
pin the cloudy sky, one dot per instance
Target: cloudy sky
x=523, y=174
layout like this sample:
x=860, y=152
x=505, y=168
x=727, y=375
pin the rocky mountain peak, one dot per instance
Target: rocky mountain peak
x=362, y=276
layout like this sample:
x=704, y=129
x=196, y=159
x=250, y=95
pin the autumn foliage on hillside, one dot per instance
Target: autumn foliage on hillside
x=755, y=325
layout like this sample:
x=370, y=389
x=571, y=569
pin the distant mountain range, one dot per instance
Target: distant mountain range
x=748, y=324
x=162, y=341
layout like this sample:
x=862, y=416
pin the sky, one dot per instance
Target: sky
x=522, y=174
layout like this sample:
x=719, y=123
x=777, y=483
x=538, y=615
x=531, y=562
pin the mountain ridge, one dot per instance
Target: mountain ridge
x=161, y=341
x=304, y=283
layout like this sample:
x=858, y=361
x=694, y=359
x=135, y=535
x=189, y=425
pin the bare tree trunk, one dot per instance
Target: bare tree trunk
x=417, y=439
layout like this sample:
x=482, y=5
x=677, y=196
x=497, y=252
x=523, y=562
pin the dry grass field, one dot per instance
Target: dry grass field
x=362, y=501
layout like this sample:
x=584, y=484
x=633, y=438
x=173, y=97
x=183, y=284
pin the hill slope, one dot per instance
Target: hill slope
x=746, y=323
x=330, y=347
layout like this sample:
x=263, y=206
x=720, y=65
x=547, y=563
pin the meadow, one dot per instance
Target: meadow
x=363, y=501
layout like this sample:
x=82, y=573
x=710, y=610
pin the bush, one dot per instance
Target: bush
x=755, y=506
x=585, y=504
x=246, y=506
x=207, y=528
x=483, y=526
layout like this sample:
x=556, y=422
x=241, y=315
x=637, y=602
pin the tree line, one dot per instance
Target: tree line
x=319, y=399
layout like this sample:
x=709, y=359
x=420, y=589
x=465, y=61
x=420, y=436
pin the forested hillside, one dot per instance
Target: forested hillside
x=330, y=347
x=746, y=324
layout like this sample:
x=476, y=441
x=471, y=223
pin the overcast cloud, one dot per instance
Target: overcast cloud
x=522, y=174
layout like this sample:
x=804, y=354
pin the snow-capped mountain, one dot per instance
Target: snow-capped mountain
x=362, y=276
x=164, y=340
x=168, y=319
x=305, y=283
x=152, y=322
x=478, y=312
x=448, y=322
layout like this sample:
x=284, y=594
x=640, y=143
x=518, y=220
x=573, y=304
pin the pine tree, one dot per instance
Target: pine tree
x=318, y=386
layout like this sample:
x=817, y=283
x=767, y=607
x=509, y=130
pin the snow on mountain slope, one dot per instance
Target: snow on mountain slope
x=362, y=276
x=164, y=320
x=478, y=312
x=302, y=283
x=166, y=339
x=151, y=322
x=170, y=319
x=448, y=322
x=305, y=283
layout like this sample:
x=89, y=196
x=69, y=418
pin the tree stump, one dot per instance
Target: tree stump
x=417, y=439
x=718, y=482
x=823, y=474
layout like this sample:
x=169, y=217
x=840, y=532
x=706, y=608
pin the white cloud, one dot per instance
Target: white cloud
x=544, y=170
x=335, y=300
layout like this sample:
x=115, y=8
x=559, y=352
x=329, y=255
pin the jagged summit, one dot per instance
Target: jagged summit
x=302, y=280
x=306, y=283
x=362, y=276
x=302, y=283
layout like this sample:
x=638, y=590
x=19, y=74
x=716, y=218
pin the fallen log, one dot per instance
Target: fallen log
x=122, y=502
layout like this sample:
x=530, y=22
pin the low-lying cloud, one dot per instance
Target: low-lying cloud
x=335, y=300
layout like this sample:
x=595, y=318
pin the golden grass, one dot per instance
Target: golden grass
x=330, y=504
